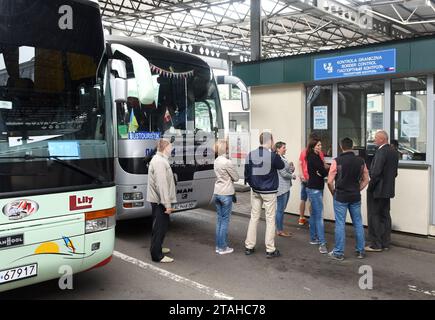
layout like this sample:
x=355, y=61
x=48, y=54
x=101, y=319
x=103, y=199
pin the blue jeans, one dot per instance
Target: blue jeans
x=304, y=195
x=224, y=205
x=281, y=204
x=317, y=231
x=340, y=209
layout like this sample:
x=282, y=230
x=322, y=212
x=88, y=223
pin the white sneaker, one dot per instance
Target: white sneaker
x=227, y=250
x=166, y=250
x=217, y=250
x=323, y=249
x=166, y=259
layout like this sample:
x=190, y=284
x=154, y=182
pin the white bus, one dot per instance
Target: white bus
x=173, y=93
x=57, y=190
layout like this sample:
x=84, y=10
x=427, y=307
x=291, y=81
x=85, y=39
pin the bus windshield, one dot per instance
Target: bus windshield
x=186, y=100
x=52, y=103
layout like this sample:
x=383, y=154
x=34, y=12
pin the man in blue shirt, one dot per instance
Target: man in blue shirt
x=261, y=174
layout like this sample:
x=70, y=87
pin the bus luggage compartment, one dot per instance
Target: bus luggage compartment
x=39, y=250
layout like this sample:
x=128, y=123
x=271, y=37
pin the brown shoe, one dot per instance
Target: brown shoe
x=284, y=234
x=370, y=249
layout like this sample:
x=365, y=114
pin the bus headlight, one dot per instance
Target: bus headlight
x=100, y=220
x=133, y=196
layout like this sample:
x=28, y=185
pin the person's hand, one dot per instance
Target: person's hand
x=169, y=210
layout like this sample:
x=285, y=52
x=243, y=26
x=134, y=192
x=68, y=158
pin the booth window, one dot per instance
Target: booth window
x=409, y=102
x=319, y=113
x=360, y=112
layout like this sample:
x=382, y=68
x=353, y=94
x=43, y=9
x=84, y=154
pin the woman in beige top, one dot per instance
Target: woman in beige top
x=224, y=191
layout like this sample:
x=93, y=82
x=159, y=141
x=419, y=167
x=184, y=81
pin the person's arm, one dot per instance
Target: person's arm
x=365, y=178
x=301, y=168
x=277, y=162
x=232, y=172
x=377, y=167
x=248, y=170
x=285, y=173
x=320, y=167
x=331, y=177
x=291, y=167
x=162, y=184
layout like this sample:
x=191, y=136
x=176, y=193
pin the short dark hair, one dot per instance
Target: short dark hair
x=279, y=145
x=265, y=137
x=346, y=143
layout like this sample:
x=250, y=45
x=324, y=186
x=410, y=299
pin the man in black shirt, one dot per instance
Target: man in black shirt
x=348, y=175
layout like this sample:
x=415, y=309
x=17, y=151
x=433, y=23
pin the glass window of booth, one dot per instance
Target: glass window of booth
x=360, y=112
x=319, y=115
x=409, y=128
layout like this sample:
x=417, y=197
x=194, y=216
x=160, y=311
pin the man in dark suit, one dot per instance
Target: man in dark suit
x=383, y=173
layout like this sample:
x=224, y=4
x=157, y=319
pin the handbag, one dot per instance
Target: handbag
x=234, y=198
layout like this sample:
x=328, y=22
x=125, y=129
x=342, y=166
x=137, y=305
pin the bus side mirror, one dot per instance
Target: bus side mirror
x=142, y=73
x=245, y=101
x=241, y=85
x=120, y=85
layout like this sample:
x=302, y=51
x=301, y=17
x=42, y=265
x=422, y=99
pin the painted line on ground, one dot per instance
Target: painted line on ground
x=427, y=292
x=172, y=276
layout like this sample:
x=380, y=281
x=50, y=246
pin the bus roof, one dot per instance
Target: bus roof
x=151, y=50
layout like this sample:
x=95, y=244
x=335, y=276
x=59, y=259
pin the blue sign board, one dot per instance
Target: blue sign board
x=355, y=65
x=144, y=135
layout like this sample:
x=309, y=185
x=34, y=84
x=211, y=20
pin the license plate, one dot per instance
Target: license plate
x=19, y=273
x=185, y=205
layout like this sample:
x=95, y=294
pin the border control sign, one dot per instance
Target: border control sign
x=356, y=65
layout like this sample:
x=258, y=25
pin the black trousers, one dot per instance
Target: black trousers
x=379, y=221
x=160, y=227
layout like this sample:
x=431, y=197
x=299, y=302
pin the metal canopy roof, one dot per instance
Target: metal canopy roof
x=222, y=27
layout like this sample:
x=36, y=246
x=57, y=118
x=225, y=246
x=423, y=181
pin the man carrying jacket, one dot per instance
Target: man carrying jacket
x=261, y=174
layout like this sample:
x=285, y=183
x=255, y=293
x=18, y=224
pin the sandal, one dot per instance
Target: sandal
x=284, y=234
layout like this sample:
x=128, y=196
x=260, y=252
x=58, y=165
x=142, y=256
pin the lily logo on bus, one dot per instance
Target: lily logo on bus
x=20, y=209
x=81, y=203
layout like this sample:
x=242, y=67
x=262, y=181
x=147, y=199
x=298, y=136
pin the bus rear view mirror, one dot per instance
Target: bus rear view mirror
x=120, y=89
x=142, y=73
x=245, y=101
x=241, y=85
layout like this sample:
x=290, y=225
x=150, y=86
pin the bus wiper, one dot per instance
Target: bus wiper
x=99, y=179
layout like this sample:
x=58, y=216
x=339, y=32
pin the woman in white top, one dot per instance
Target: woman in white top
x=224, y=191
x=285, y=177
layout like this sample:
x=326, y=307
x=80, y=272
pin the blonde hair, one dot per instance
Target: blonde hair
x=162, y=144
x=221, y=147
